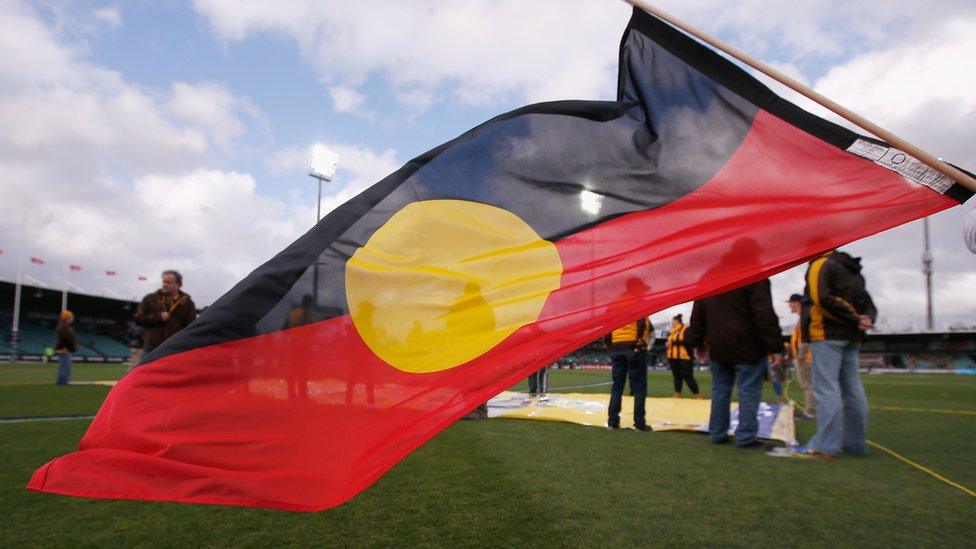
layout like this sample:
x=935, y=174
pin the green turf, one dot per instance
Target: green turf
x=511, y=482
x=38, y=372
x=49, y=400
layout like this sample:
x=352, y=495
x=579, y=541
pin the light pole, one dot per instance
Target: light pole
x=927, y=271
x=323, y=168
x=15, y=326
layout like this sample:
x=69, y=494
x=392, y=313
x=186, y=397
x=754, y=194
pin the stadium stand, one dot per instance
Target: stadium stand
x=99, y=324
x=102, y=344
x=34, y=338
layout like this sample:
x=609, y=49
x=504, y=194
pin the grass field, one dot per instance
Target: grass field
x=511, y=482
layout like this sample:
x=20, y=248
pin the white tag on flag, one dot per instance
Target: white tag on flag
x=908, y=166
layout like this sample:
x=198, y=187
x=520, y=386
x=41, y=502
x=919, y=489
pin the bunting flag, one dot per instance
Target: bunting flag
x=142, y=278
x=74, y=267
x=36, y=261
x=109, y=273
x=476, y=263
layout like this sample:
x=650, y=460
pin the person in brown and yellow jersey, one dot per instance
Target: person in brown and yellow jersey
x=679, y=359
x=837, y=312
x=627, y=346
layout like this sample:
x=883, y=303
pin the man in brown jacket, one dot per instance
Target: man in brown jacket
x=165, y=312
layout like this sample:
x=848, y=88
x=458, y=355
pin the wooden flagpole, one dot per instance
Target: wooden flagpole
x=890, y=138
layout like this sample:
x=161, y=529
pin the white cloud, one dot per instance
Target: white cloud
x=216, y=222
x=29, y=55
x=108, y=15
x=920, y=90
x=416, y=100
x=489, y=52
x=345, y=99
x=290, y=159
x=211, y=225
x=214, y=109
x=112, y=177
x=478, y=52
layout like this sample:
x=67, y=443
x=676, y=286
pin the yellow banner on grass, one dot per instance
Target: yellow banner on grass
x=663, y=414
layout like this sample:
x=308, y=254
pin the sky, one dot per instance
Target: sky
x=139, y=136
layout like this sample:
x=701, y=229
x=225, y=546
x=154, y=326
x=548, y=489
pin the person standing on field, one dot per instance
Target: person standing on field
x=739, y=333
x=802, y=359
x=165, y=311
x=837, y=312
x=679, y=359
x=65, y=345
x=625, y=346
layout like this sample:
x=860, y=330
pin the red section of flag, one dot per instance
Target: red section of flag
x=305, y=418
x=36, y=261
x=74, y=267
x=110, y=273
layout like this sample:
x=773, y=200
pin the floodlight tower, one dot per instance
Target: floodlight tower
x=323, y=168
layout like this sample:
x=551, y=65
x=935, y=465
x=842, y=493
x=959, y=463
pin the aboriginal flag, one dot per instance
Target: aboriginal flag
x=478, y=262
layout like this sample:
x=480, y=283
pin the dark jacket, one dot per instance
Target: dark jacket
x=181, y=310
x=834, y=299
x=738, y=327
x=66, y=340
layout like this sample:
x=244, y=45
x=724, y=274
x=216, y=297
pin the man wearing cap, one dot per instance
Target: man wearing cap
x=802, y=359
x=65, y=345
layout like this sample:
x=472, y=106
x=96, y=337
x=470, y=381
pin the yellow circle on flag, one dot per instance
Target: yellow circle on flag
x=444, y=281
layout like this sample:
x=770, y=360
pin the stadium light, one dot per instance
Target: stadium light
x=324, y=164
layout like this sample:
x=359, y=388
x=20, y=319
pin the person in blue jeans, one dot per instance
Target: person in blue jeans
x=627, y=347
x=739, y=333
x=776, y=378
x=837, y=311
x=539, y=382
x=842, y=405
x=65, y=344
